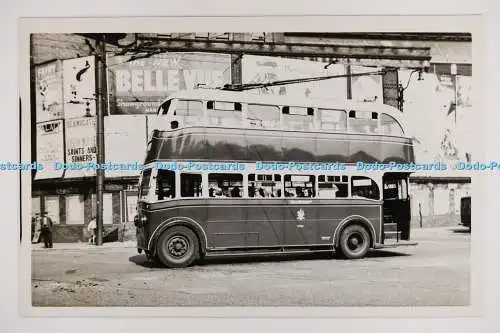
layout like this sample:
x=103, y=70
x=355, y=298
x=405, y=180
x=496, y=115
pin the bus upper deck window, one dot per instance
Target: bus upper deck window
x=298, y=118
x=263, y=116
x=224, y=113
x=165, y=107
x=334, y=120
x=363, y=121
x=189, y=112
x=390, y=126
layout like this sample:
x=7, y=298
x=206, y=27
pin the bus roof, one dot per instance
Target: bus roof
x=247, y=97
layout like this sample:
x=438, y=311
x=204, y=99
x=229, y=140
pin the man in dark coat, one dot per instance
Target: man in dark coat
x=47, y=225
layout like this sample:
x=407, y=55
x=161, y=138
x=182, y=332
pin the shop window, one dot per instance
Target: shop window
x=75, y=209
x=52, y=208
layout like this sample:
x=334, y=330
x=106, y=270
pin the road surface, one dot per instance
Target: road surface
x=434, y=273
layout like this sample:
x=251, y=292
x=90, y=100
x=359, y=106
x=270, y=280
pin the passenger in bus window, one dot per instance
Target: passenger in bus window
x=235, y=192
x=251, y=190
x=261, y=192
x=214, y=191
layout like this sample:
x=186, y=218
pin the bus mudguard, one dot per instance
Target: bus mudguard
x=176, y=221
x=354, y=219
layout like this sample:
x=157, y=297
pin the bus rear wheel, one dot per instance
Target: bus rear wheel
x=354, y=242
x=177, y=247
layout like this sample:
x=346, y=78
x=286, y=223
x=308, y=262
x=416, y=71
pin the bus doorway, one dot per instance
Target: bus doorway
x=396, y=206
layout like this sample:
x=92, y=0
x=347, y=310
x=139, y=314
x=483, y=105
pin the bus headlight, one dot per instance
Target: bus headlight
x=140, y=221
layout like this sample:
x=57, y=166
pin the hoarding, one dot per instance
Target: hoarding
x=138, y=86
x=261, y=69
x=49, y=148
x=125, y=144
x=429, y=106
x=49, y=91
x=366, y=88
x=80, y=145
x=79, y=87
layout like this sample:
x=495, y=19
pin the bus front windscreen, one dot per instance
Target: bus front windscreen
x=145, y=184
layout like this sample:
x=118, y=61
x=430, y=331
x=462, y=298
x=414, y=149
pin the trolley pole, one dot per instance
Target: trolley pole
x=101, y=104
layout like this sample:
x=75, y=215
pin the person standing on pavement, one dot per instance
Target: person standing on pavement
x=36, y=229
x=92, y=229
x=47, y=224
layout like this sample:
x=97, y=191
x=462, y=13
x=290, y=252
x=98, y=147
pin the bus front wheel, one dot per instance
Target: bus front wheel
x=178, y=247
x=354, y=242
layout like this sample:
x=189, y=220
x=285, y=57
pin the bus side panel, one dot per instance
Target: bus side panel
x=225, y=223
x=329, y=217
x=264, y=223
x=300, y=224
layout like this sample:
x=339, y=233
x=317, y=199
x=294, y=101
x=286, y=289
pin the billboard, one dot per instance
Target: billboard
x=79, y=87
x=49, y=91
x=366, y=88
x=49, y=150
x=433, y=98
x=124, y=143
x=138, y=86
x=261, y=69
x=81, y=145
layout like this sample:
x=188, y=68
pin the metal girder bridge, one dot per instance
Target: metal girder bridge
x=380, y=56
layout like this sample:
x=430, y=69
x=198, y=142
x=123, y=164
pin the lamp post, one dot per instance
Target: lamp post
x=101, y=99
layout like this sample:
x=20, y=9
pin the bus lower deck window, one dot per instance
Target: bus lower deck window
x=266, y=186
x=165, y=188
x=225, y=185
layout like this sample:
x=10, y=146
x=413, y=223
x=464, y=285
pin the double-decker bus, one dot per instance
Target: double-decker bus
x=233, y=173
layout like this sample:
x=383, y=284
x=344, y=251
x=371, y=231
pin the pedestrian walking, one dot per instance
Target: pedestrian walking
x=46, y=226
x=92, y=229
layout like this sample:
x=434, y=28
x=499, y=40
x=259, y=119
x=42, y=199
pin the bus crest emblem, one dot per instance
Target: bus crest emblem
x=301, y=215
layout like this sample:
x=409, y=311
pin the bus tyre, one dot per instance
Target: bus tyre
x=354, y=242
x=178, y=247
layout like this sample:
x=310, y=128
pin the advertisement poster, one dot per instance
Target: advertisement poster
x=80, y=145
x=441, y=139
x=49, y=148
x=262, y=69
x=366, y=88
x=79, y=87
x=138, y=86
x=125, y=143
x=49, y=92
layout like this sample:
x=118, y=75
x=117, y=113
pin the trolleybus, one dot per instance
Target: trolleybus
x=233, y=173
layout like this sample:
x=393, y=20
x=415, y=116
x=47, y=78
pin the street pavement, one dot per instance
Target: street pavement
x=436, y=272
